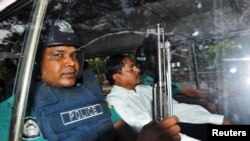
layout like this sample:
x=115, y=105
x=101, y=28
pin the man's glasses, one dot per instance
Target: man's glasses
x=132, y=68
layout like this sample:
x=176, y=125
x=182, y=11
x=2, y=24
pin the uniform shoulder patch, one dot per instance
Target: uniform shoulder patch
x=30, y=129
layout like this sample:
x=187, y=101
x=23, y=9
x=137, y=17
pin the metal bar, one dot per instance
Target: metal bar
x=160, y=83
x=162, y=90
x=169, y=78
x=155, y=107
x=21, y=91
x=164, y=70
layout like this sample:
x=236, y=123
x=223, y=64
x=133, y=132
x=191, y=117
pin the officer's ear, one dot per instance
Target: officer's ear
x=80, y=58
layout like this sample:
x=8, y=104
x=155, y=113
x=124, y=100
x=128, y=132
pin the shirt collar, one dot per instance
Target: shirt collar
x=123, y=90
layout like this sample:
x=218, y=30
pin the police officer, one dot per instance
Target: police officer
x=64, y=110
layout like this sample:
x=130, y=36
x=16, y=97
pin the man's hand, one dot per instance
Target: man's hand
x=171, y=127
x=167, y=130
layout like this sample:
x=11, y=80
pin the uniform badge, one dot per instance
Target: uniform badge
x=64, y=27
x=30, y=129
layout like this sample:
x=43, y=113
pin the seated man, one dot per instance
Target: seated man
x=133, y=102
x=60, y=109
x=145, y=57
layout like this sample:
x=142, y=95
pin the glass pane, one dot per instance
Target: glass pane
x=208, y=40
x=209, y=43
x=12, y=32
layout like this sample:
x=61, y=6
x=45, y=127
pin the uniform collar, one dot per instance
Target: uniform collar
x=43, y=95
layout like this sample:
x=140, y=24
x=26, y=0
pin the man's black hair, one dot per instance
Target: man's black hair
x=114, y=65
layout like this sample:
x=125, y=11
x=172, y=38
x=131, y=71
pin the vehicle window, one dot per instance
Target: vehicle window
x=12, y=32
x=209, y=43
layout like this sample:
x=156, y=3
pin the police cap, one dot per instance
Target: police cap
x=60, y=33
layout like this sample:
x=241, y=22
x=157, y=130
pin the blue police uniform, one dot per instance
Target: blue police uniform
x=74, y=114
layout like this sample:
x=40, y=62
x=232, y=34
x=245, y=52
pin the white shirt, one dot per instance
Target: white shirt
x=135, y=108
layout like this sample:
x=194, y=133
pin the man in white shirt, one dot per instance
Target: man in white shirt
x=133, y=102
